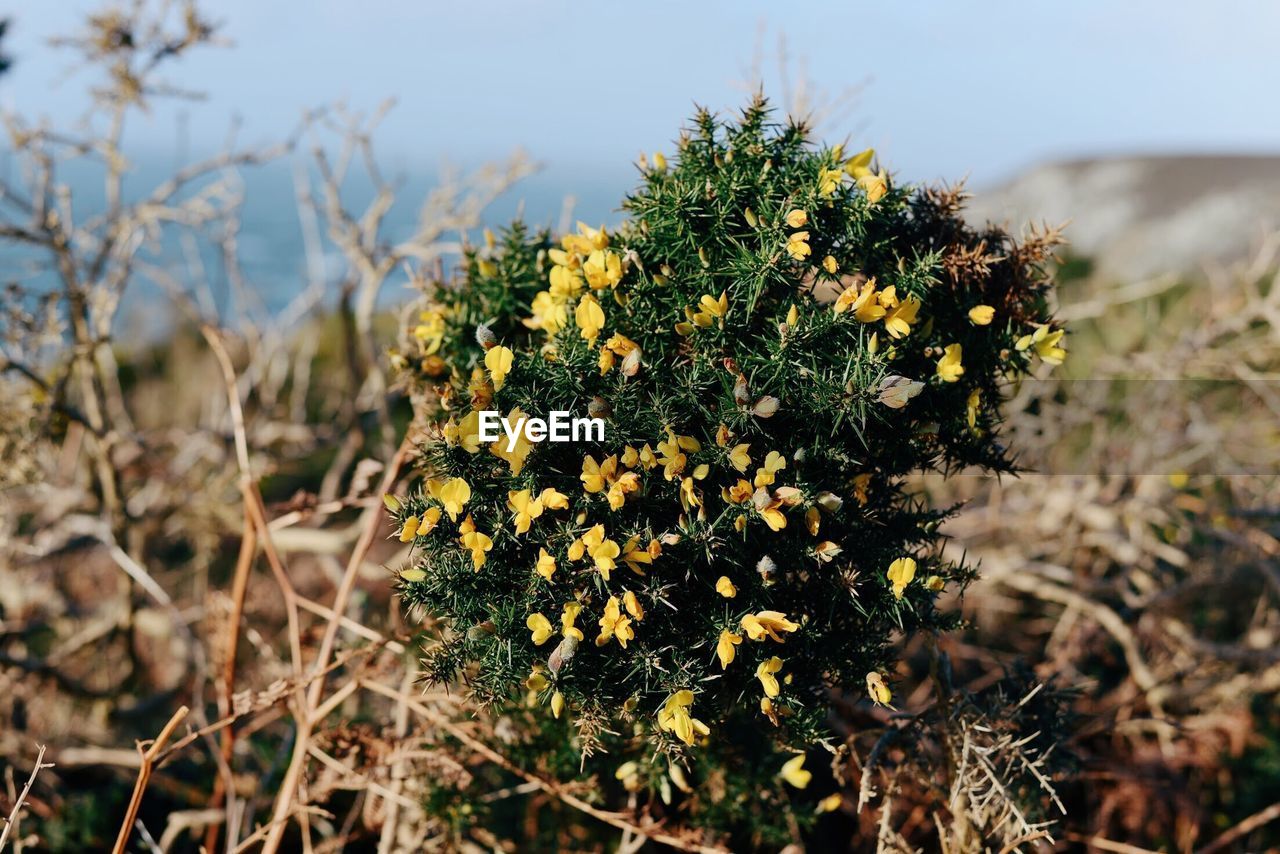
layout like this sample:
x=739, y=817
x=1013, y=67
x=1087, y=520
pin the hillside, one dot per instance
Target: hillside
x=1140, y=216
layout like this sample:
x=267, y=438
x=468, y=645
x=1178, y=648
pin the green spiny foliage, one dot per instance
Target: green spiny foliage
x=776, y=337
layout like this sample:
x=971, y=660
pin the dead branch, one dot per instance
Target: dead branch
x=14, y=813
x=148, y=755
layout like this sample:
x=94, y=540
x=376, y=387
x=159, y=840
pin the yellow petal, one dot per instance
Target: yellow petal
x=498, y=361
x=793, y=772
x=725, y=647
x=981, y=315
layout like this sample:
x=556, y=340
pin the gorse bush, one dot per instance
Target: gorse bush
x=776, y=337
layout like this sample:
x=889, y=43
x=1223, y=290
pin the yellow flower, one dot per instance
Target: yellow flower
x=647, y=458
x=526, y=508
x=603, y=551
x=934, y=584
x=553, y=499
x=798, y=246
x=570, y=259
x=603, y=269
x=725, y=648
x=585, y=240
x=498, y=361
x=860, y=163
x=627, y=483
x=861, y=301
x=550, y=312
x=413, y=574
x=793, y=313
x=767, y=623
x=830, y=803
x=675, y=717
x=567, y=616
x=981, y=315
x=1046, y=343
x=971, y=407
x=794, y=774
x=659, y=162
x=829, y=182
x=537, y=681
x=725, y=587
x=632, y=604
x=774, y=462
x=566, y=282
x=479, y=544
x=812, y=522
x=690, y=496
x=546, y=566
x=557, y=704
x=523, y=447
x=541, y=628
x=1049, y=350
x=590, y=318
x=711, y=310
x=635, y=557
x=767, y=709
x=603, y=556
x=877, y=690
x=901, y=572
x=773, y=516
x=430, y=518
x=465, y=434
x=430, y=333
x=595, y=476
x=830, y=265
x=670, y=453
x=620, y=345
x=409, y=529
x=766, y=674
x=899, y=320
x=739, y=493
x=628, y=774
x=453, y=495
x=797, y=218
x=614, y=624
x=949, y=367
x=876, y=185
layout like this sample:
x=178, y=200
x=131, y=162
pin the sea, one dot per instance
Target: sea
x=284, y=272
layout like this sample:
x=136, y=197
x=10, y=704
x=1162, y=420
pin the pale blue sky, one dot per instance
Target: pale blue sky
x=952, y=88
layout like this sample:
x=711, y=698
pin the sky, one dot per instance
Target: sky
x=945, y=89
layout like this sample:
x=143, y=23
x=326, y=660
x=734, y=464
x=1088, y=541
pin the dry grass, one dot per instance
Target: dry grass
x=198, y=525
